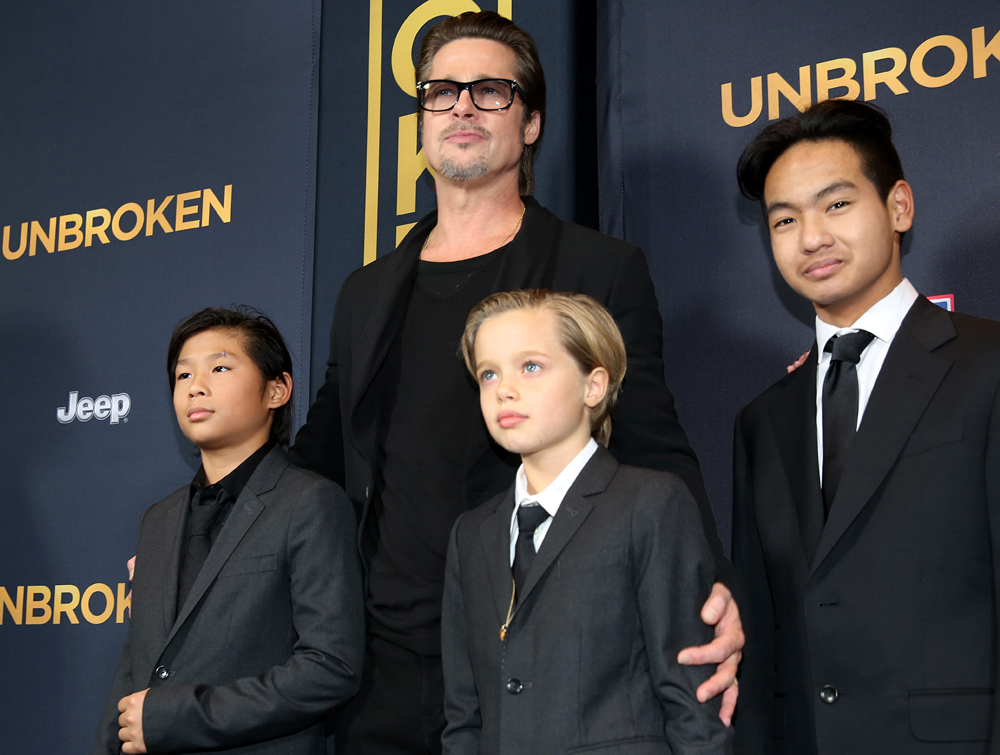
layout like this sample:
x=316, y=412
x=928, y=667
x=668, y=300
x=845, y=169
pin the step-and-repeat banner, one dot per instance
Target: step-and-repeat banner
x=157, y=158
x=684, y=87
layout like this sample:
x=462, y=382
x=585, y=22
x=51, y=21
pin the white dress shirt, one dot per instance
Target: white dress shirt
x=882, y=320
x=549, y=499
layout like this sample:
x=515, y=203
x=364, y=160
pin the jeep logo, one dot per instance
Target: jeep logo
x=113, y=408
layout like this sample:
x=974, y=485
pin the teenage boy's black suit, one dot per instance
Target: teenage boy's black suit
x=271, y=636
x=886, y=641
x=589, y=661
x=339, y=439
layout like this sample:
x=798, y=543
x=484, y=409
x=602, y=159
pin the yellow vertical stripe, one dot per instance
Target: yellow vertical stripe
x=374, y=127
x=506, y=8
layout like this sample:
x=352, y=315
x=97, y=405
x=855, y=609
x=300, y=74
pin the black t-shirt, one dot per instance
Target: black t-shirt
x=429, y=408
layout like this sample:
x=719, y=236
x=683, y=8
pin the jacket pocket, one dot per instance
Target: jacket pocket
x=927, y=438
x=951, y=715
x=237, y=566
x=599, y=559
x=631, y=746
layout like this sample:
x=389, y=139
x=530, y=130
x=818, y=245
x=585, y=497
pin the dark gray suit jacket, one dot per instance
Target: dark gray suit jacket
x=272, y=634
x=589, y=663
x=884, y=641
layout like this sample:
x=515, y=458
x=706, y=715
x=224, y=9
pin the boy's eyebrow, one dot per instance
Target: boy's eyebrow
x=222, y=354
x=835, y=186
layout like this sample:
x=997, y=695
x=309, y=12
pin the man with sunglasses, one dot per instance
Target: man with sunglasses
x=397, y=422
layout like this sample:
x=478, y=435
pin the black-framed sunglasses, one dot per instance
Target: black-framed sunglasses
x=439, y=95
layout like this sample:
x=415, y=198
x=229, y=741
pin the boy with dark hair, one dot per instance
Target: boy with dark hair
x=247, y=623
x=866, y=522
x=568, y=598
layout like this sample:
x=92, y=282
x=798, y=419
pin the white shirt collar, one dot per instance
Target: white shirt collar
x=882, y=319
x=550, y=498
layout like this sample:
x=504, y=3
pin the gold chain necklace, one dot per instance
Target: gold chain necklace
x=507, y=238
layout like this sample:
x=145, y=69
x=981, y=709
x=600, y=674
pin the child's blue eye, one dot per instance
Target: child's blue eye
x=487, y=375
x=532, y=367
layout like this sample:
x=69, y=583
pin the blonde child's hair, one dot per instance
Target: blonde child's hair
x=585, y=329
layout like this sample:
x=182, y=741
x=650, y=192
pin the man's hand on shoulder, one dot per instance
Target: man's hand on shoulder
x=130, y=722
x=725, y=650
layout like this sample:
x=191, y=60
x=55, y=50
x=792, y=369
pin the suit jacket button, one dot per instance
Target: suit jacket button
x=828, y=695
x=162, y=672
x=514, y=687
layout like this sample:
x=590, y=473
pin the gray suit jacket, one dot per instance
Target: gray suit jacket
x=590, y=658
x=272, y=634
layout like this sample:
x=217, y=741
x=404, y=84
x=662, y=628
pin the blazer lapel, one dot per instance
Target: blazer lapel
x=793, y=423
x=495, y=535
x=572, y=513
x=908, y=380
x=175, y=520
x=245, y=512
x=530, y=260
x=372, y=341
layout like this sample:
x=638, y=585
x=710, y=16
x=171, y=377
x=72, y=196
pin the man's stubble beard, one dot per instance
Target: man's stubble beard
x=479, y=167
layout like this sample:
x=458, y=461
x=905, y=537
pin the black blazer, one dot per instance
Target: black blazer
x=885, y=640
x=271, y=636
x=340, y=435
x=589, y=663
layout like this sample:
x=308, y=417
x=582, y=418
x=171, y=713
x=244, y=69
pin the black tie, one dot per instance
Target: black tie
x=840, y=407
x=529, y=517
x=205, y=507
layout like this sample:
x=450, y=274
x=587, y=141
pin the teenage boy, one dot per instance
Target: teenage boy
x=866, y=527
x=247, y=614
x=575, y=647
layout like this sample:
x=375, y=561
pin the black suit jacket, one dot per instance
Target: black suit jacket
x=340, y=435
x=590, y=656
x=271, y=636
x=885, y=639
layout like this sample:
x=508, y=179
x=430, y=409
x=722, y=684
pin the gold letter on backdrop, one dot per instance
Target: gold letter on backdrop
x=890, y=78
x=824, y=83
x=957, y=48
x=756, y=103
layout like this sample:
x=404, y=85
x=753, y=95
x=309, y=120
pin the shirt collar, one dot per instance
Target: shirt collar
x=550, y=498
x=235, y=481
x=882, y=319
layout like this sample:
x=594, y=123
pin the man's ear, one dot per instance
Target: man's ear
x=278, y=391
x=597, y=386
x=533, y=127
x=900, y=206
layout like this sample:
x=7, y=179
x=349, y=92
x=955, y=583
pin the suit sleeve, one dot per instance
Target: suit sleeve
x=674, y=571
x=107, y=742
x=319, y=443
x=754, y=717
x=325, y=666
x=461, y=700
x=993, y=508
x=646, y=432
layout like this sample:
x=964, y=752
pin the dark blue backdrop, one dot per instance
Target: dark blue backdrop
x=107, y=103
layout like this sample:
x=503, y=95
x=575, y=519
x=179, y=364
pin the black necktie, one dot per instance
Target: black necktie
x=529, y=518
x=205, y=507
x=840, y=407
